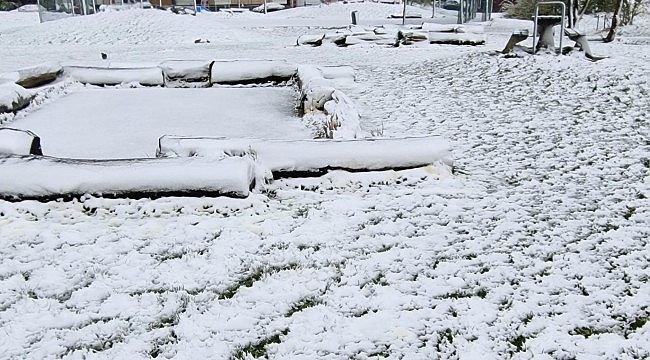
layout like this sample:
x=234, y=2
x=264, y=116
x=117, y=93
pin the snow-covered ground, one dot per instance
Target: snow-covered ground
x=536, y=247
x=126, y=123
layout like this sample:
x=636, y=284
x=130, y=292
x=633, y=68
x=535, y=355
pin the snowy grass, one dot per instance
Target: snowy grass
x=537, y=247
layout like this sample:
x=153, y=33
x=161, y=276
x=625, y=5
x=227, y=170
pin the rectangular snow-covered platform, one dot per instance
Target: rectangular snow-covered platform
x=301, y=157
x=47, y=178
x=126, y=123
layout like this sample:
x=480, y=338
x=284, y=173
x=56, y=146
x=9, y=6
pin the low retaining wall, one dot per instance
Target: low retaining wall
x=46, y=178
x=330, y=111
x=287, y=157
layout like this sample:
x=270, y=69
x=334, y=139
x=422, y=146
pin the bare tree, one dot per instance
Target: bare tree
x=612, y=30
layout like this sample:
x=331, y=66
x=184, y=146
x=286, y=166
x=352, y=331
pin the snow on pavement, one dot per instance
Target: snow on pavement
x=536, y=246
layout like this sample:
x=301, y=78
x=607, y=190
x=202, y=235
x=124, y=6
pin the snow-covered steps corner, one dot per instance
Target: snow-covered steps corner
x=19, y=142
x=47, y=178
x=298, y=157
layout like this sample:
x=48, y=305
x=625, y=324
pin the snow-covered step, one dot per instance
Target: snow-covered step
x=35, y=177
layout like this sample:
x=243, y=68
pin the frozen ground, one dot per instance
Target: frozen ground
x=126, y=123
x=537, y=246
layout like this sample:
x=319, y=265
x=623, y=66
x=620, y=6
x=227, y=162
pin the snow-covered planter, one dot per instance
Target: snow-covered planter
x=183, y=74
x=286, y=157
x=333, y=111
x=30, y=177
x=456, y=38
x=148, y=76
x=19, y=142
x=13, y=97
x=251, y=71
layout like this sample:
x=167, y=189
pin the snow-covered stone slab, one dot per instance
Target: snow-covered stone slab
x=251, y=71
x=299, y=156
x=148, y=76
x=19, y=142
x=183, y=74
x=409, y=15
x=378, y=39
x=313, y=40
x=35, y=177
x=455, y=28
x=456, y=38
x=38, y=75
x=13, y=97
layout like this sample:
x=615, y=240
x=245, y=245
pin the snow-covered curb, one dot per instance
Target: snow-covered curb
x=315, y=156
x=35, y=177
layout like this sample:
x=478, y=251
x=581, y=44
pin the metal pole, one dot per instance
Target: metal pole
x=535, y=27
x=195, y=10
x=433, y=8
x=40, y=12
x=404, y=13
x=265, y=6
